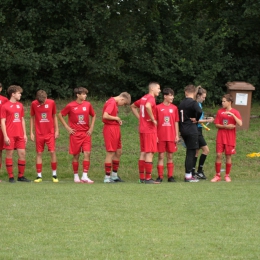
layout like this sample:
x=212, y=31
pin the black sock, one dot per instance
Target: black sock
x=201, y=162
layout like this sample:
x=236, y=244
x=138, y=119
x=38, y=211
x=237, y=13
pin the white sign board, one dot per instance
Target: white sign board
x=241, y=99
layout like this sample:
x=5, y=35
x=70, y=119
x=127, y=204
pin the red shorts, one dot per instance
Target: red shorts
x=80, y=142
x=166, y=146
x=148, y=142
x=41, y=140
x=16, y=142
x=229, y=149
x=1, y=140
x=112, y=137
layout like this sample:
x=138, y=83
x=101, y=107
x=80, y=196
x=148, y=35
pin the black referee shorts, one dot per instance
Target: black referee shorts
x=202, y=141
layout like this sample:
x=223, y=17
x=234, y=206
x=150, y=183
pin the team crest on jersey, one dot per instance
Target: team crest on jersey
x=18, y=106
x=166, y=119
x=225, y=122
x=81, y=117
x=16, y=115
x=44, y=115
x=170, y=110
x=46, y=106
x=84, y=108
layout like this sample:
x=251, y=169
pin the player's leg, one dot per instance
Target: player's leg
x=108, y=166
x=161, y=147
x=228, y=168
x=50, y=142
x=171, y=148
x=200, y=173
x=9, y=164
x=75, y=167
x=38, y=167
x=21, y=165
x=219, y=151
x=195, y=162
x=86, y=147
x=141, y=161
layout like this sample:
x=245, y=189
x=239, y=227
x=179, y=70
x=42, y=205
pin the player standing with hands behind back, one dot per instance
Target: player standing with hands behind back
x=226, y=120
x=45, y=124
x=189, y=114
x=80, y=130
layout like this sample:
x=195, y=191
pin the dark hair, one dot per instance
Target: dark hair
x=228, y=97
x=168, y=91
x=190, y=89
x=200, y=90
x=41, y=96
x=13, y=89
x=80, y=90
x=1, y=85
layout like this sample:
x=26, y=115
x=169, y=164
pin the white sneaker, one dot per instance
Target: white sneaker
x=77, y=181
x=108, y=180
x=87, y=180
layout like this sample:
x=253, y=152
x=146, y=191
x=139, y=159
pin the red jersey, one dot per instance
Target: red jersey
x=13, y=113
x=226, y=136
x=166, y=118
x=145, y=123
x=111, y=108
x=78, y=115
x=43, y=115
x=2, y=100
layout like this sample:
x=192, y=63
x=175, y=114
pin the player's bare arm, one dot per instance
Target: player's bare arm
x=148, y=108
x=24, y=130
x=32, y=124
x=91, y=128
x=109, y=117
x=56, y=126
x=3, y=126
x=135, y=111
x=69, y=130
x=238, y=121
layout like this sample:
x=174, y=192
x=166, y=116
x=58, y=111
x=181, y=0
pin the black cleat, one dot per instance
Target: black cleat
x=151, y=181
x=171, y=179
x=159, y=179
x=11, y=180
x=200, y=175
x=117, y=179
x=23, y=179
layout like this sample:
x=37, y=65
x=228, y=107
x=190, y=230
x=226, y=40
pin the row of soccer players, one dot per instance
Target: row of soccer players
x=158, y=130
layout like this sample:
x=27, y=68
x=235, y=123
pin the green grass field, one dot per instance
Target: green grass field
x=129, y=220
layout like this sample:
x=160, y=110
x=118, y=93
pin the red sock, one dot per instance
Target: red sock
x=0, y=165
x=21, y=168
x=38, y=167
x=54, y=166
x=170, y=168
x=160, y=171
x=217, y=168
x=108, y=167
x=141, y=165
x=86, y=165
x=228, y=168
x=75, y=166
x=9, y=167
x=115, y=165
x=148, y=170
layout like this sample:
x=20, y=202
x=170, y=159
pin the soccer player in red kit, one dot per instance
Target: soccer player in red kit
x=80, y=130
x=14, y=131
x=147, y=131
x=45, y=125
x=167, y=133
x=226, y=120
x=2, y=101
x=112, y=135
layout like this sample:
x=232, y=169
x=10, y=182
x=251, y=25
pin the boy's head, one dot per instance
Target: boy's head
x=41, y=96
x=168, y=95
x=154, y=88
x=13, y=89
x=80, y=90
x=124, y=99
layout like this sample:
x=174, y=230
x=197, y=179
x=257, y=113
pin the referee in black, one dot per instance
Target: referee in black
x=189, y=113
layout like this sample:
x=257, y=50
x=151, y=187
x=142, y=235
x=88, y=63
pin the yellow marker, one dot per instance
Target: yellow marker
x=205, y=127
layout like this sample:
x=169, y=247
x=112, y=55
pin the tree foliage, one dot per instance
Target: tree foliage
x=114, y=46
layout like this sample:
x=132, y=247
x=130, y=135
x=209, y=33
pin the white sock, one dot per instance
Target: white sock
x=84, y=175
x=107, y=176
x=54, y=173
x=76, y=176
x=188, y=175
x=114, y=174
x=39, y=175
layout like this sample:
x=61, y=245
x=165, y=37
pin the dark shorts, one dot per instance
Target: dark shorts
x=191, y=141
x=202, y=141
